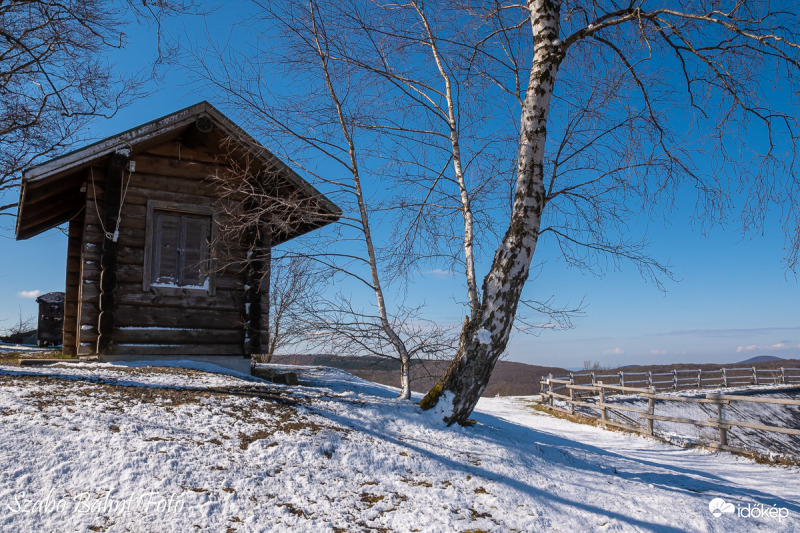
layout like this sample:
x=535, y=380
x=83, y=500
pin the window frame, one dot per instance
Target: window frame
x=150, y=239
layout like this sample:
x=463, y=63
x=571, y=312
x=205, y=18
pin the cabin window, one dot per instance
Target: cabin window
x=178, y=249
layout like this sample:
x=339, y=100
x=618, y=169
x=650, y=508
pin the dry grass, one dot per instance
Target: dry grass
x=270, y=409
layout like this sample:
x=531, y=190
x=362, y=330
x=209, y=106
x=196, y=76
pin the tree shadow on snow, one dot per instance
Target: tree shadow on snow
x=573, y=455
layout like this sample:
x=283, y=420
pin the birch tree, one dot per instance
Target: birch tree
x=606, y=112
x=434, y=113
x=720, y=52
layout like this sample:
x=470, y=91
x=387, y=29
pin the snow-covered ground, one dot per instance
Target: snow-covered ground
x=21, y=348
x=126, y=448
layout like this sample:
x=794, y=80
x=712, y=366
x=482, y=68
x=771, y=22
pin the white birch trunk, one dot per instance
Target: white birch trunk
x=466, y=208
x=405, y=379
x=394, y=338
x=484, y=337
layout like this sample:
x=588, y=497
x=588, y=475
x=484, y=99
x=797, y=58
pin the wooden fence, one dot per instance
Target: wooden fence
x=685, y=379
x=575, y=397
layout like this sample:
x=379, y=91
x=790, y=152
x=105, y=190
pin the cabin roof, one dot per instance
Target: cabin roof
x=51, y=298
x=50, y=193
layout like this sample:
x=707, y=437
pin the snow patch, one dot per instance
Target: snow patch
x=484, y=336
x=192, y=365
x=4, y=348
x=174, y=285
x=444, y=407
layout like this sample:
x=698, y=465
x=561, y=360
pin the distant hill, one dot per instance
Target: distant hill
x=760, y=359
x=508, y=379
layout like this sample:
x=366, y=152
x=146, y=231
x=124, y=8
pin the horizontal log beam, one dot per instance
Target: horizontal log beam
x=178, y=336
x=187, y=349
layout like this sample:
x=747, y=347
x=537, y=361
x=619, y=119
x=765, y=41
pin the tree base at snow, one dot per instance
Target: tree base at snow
x=457, y=393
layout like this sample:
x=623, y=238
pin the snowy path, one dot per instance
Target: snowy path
x=339, y=454
x=642, y=472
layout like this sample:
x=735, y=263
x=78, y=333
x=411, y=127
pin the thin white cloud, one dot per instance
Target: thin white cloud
x=658, y=352
x=29, y=294
x=749, y=348
x=785, y=345
x=438, y=273
x=615, y=351
x=736, y=332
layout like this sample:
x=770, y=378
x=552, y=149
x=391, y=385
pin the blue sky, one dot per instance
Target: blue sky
x=732, y=299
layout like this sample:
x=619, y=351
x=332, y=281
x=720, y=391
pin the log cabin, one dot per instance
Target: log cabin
x=149, y=275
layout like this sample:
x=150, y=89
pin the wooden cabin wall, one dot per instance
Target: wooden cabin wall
x=91, y=245
x=72, y=285
x=160, y=321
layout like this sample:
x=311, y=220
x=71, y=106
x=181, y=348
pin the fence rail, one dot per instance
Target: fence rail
x=686, y=379
x=575, y=397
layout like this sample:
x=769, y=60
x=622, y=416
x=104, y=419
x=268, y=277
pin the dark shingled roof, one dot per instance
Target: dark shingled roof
x=51, y=193
x=51, y=298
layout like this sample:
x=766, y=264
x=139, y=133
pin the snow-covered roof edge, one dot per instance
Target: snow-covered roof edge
x=120, y=141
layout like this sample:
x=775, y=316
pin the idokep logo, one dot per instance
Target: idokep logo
x=718, y=507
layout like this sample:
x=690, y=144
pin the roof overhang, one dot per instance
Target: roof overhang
x=50, y=193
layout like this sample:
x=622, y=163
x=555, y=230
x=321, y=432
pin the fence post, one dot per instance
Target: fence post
x=700, y=379
x=755, y=376
x=724, y=378
x=621, y=378
x=723, y=430
x=675, y=378
x=650, y=378
x=602, y=404
x=783, y=376
x=593, y=382
x=571, y=394
x=651, y=408
x=550, y=385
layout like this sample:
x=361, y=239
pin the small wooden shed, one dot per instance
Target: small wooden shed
x=50, y=328
x=144, y=211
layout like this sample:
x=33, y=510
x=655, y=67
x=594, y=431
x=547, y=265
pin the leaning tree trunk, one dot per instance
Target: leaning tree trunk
x=484, y=336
